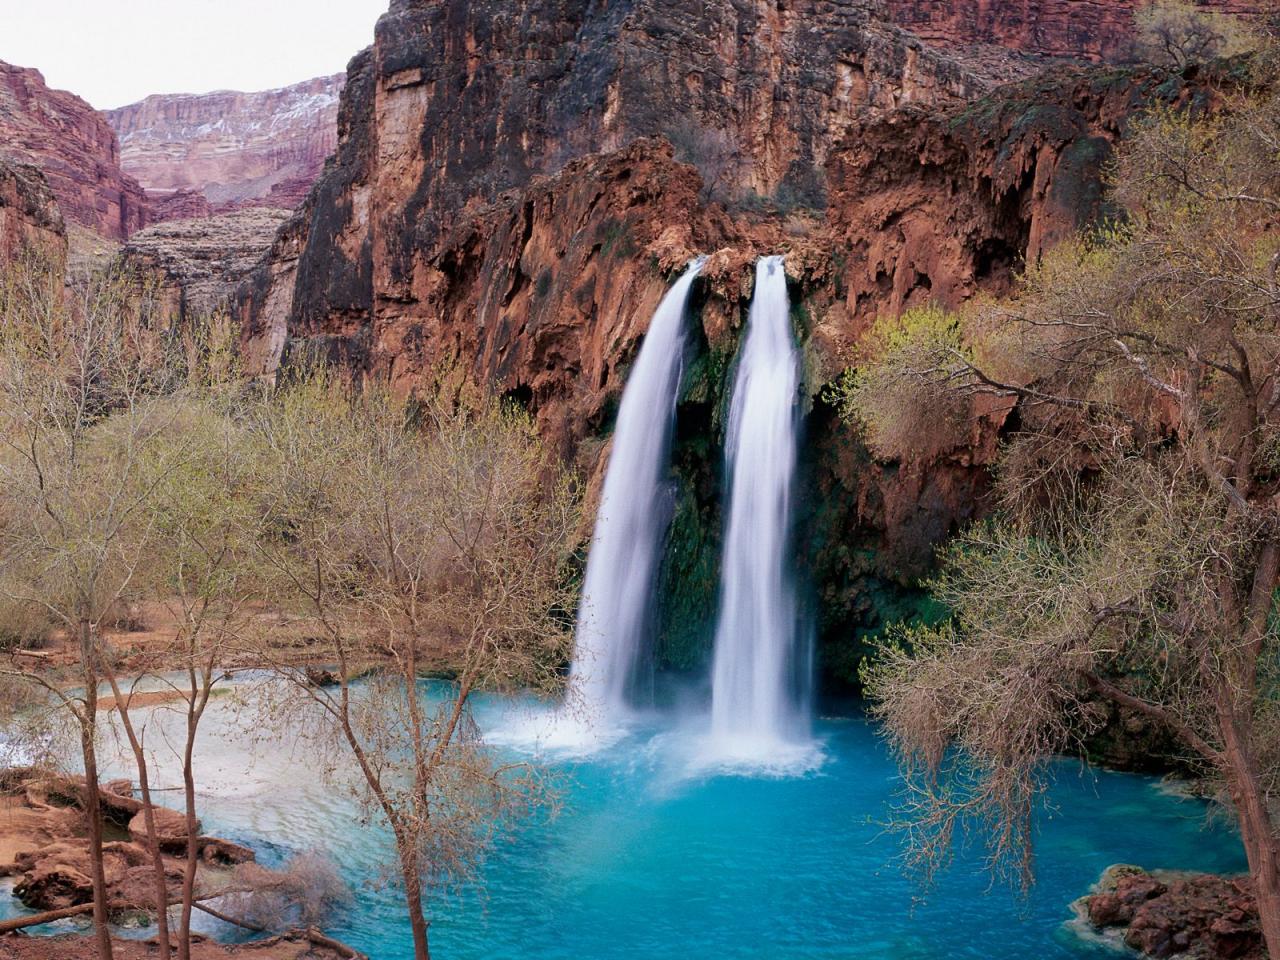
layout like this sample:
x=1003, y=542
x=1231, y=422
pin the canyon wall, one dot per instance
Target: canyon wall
x=515, y=185
x=1090, y=29
x=457, y=103
x=74, y=148
x=233, y=149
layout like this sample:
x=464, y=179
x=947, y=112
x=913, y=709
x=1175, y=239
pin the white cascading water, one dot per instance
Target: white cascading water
x=631, y=524
x=759, y=684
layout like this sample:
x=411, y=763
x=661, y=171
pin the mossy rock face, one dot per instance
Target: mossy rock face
x=688, y=584
x=857, y=591
x=688, y=580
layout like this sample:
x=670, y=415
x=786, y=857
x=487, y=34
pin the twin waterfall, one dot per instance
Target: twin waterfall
x=759, y=681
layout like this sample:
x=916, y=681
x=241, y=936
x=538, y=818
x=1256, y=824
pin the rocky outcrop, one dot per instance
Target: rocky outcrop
x=43, y=830
x=937, y=205
x=179, y=205
x=75, y=149
x=235, y=149
x=29, y=214
x=1088, y=29
x=1199, y=916
x=199, y=263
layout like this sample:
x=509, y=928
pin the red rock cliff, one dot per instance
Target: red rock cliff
x=237, y=149
x=458, y=102
x=1091, y=29
x=509, y=192
x=29, y=216
x=74, y=147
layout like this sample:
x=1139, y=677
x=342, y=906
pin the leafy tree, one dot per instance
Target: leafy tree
x=1135, y=553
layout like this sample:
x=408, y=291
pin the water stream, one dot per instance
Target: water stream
x=759, y=677
x=615, y=618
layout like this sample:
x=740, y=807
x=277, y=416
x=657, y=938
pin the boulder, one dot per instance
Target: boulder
x=171, y=828
x=1166, y=915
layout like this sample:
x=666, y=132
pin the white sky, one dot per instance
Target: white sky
x=113, y=52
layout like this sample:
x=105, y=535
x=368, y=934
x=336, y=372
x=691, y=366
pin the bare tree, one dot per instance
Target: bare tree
x=200, y=561
x=78, y=371
x=1179, y=33
x=1136, y=553
x=437, y=529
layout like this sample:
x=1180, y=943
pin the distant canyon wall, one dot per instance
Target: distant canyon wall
x=234, y=149
x=177, y=157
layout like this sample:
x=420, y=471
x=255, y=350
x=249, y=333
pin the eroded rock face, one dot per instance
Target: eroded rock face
x=1091, y=29
x=199, y=263
x=936, y=205
x=29, y=214
x=74, y=148
x=458, y=102
x=235, y=149
x=43, y=826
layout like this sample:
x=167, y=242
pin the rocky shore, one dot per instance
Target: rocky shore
x=43, y=845
x=1166, y=914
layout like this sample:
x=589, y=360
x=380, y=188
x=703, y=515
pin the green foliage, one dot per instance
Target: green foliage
x=616, y=240
x=900, y=413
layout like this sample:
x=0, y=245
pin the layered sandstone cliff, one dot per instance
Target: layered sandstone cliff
x=198, y=263
x=74, y=148
x=235, y=149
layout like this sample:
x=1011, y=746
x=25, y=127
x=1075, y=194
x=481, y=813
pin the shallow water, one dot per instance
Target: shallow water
x=657, y=857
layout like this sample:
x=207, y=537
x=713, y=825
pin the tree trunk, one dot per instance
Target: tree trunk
x=161, y=896
x=92, y=799
x=1257, y=831
x=189, y=795
x=413, y=900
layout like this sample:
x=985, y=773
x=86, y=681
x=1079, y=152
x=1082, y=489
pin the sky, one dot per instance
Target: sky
x=113, y=52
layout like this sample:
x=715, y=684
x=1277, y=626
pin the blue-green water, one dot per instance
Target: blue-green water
x=647, y=860
x=651, y=860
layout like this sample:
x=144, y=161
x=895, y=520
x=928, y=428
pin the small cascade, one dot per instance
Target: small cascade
x=760, y=675
x=631, y=525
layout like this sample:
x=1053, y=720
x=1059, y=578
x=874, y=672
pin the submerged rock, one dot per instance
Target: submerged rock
x=1165, y=914
x=171, y=827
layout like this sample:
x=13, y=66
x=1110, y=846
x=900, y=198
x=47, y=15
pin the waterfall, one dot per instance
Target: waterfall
x=631, y=525
x=760, y=675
